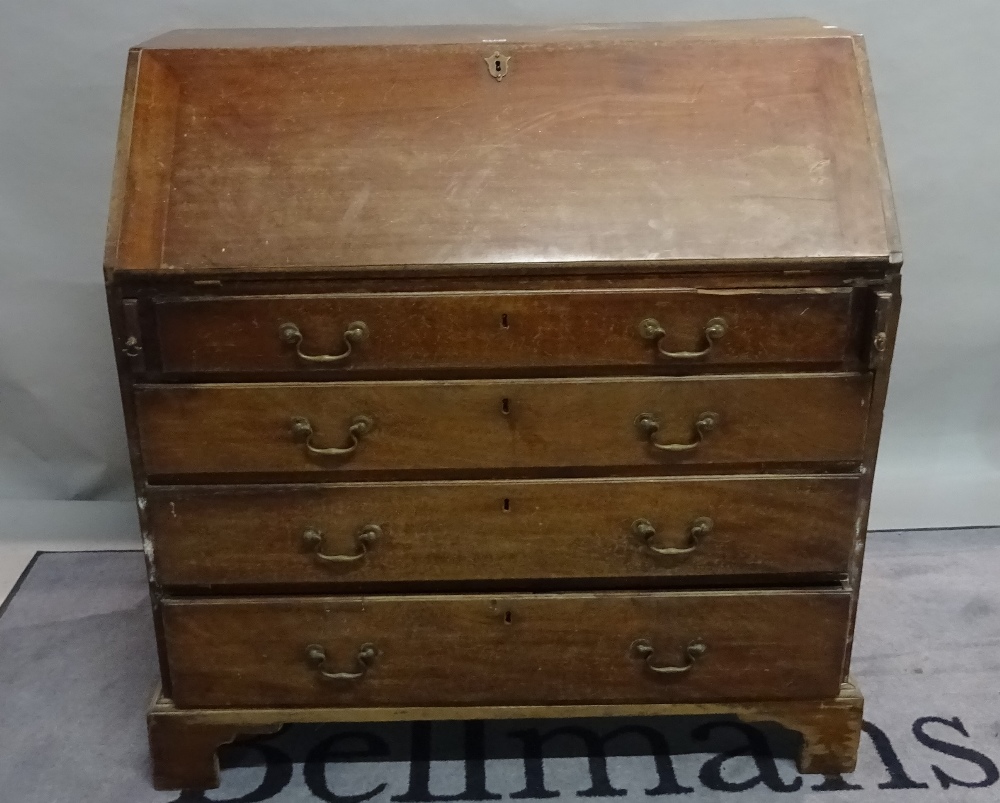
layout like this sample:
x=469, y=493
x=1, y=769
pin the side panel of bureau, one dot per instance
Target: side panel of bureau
x=492, y=531
x=506, y=649
x=476, y=425
x=528, y=329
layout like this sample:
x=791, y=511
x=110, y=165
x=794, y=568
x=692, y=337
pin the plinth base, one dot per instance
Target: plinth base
x=183, y=742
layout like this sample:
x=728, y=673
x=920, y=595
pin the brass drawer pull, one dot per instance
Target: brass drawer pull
x=360, y=425
x=644, y=649
x=698, y=529
x=355, y=333
x=364, y=658
x=365, y=537
x=648, y=425
x=650, y=329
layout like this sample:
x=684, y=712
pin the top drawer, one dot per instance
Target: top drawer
x=632, y=329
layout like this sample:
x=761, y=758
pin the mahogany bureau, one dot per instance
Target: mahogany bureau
x=502, y=372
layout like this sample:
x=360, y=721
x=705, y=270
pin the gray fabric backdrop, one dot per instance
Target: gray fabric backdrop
x=63, y=472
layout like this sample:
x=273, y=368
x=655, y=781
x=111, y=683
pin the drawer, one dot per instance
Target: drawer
x=506, y=649
x=490, y=425
x=532, y=330
x=369, y=534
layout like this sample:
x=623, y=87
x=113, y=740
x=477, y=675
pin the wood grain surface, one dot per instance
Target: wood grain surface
x=517, y=424
x=598, y=147
x=414, y=332
x=496, y=532
x=510, y=649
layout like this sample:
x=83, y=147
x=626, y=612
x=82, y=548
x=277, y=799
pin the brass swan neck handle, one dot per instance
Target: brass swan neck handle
x=364, y=658
x=715, y=329
x=643, y=648
x=648, y=425
x=291, y=334
x=365, y=537
x=698, y=529
x=302, y=429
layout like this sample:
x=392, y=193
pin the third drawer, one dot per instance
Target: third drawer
x=609, y=531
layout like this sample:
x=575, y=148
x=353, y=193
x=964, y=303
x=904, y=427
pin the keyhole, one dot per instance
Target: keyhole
x=497, y=62
x=505, y=406
x=507, y=617
x=503, y=321
x=506, y=505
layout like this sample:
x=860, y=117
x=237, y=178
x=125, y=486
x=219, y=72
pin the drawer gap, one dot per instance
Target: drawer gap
x=547, y=586
x=416, y=475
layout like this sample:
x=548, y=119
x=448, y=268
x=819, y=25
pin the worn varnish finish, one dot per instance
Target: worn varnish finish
x=448, y=532
x=565, y=648
x=502, y=242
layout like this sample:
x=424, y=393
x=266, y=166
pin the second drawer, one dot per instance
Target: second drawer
x=367, y=535
x=597, y=425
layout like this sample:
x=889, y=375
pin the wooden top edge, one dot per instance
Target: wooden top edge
x=884, y=262
x=239, y=38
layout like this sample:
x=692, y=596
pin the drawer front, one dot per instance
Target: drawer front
x=494, y=424
x=506, y=649
x=408, y=332
x=426, y=532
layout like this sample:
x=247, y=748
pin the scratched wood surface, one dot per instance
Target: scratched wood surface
x=653, y=149
x=507, y=648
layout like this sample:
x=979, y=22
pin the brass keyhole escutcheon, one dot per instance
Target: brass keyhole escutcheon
x=497, y=64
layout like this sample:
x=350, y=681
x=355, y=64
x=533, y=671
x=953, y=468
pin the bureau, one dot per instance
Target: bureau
x=502, y=372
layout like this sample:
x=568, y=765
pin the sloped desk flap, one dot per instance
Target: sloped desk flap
x=657, y=145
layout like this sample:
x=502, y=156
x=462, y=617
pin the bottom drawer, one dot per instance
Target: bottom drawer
x=508, y=649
